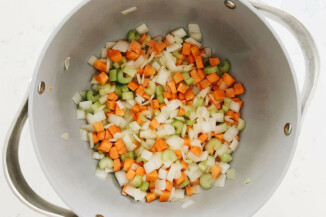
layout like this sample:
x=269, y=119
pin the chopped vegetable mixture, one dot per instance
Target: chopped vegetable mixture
x=163, y=115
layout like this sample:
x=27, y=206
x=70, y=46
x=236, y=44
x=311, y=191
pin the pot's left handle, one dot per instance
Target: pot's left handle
x=14, y=176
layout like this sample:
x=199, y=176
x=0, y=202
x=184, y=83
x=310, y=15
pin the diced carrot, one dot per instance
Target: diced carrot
x=146, y=82
x=143, y=37
x=190, y=190
x=182, y=111
x=178, y=62
x=229, y=92
x=121, y=147
x=99, y=65
x=152, y=176
x=140, y=90
x=203, y=137
x=169, y=185
x=191, y=59
x=199, y=62
x=190, y=102
x=214, y=61
x=167, y=95
x=108, y=135
x=215, y=87
x=110, y=104
x=171, y=86
x=146, y=96
x=186, y=141
x=102, y=78
x=179, y=180
x=140, y=171
x=178, y=153
x=114, y=129
x=174, y=96
x=220, y=137
x=115, y=55
x=196, y=182
x=184, y=165
x=186, y=49
x=195, y=76
x=131, y=55
x=130, y=175
x=238, y=89
x=132, y=85
x=213, y=77
x=128, y=163
x=164, y=197
x=216, y=170
x=135, y=46
x=182, y=88
x=112, y=96
x=104, y=146
x=95, y=138
x=140, y=71
x=119, y=111
x=218, y=95
x=150, y=197
x=114, y=153
x=189, y=95
x=195, y=51
x=155, y=104
x=166, y=42
x=230, y=114
x=154, y=124
x=228, y=79
x=181, y=96
x=116, y=164
x=142, y=108
x=151, y=185
x=177, y=77
x=161, y=105
x=135, y=108
x=160, y=145
x=101, y=135
x=205, y=83
x=201, y=74
x=149, y=70
x=196, y=151
x=159, y=47
x=98, y=126
x=151, y=43
x=237, y=137
x=228, y=123
x=240, y=103
x=236, y=116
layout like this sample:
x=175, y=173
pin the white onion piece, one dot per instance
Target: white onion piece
x=162, y=76
x=220, y=181
x=101, y=174
x=179, y=33
x=196, y=35
x=121, y=45
x=149, y=166
x=83, y=135
x=147, y=155
x=142, y=29
x=160, y=185
x=67, y=63
x=104, y=53
x=92, y=60
x=173, y=47
x=230, y=134
x=234, y=144
x=80, y=114
x=162, y=173
x=234, y=106
x=77, y=98
x=129, y=10
x=193, y=41
x=208, y=52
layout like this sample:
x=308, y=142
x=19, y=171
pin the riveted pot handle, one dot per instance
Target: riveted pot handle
x=307, y=44
x=14, y=176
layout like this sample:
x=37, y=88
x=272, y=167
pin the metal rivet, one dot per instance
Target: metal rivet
x=41, y=87
x=287, y=129
x=230, y=4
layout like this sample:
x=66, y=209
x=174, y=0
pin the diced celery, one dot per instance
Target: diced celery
x=137, y=36
x=131, y=35
x=224, y=67
x=113, y=75
x=206, y=180
x=123, y=61
x=122, y=79
x=124, y=88
x=144, y=186
x=96, y=146
x=226, y=157
x=159, y=90
x=206, y=61
x=169, y=155
x=212, y=111
x=178, y=125
x=189, y=81
x=160, y=99
x=95, y=106
x=189, y=109
x=184, y=183
x=140, y=159
x=104, y=89
x=157, y=112
x=105, y=162
x=105, y=122
x=177, y=54
x=210, y=69
x=147, y=39
x=186, y=75
x=130, y=155
x=151, y=89
x=137, y=181
x=116, y=65
x=128, y=95
x=190, y=122
x=203, y=165
x=225, y=108
x=118, y=90
x=241, y=124
x=91, y=97
x=213, y=144
x=199, y=102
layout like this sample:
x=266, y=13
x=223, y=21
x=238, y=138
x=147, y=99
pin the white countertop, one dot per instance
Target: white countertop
x=25, y=27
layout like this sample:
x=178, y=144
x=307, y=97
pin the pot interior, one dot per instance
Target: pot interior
x=258, y=61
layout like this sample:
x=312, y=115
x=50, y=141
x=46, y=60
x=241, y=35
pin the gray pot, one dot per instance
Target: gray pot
x=240, y=34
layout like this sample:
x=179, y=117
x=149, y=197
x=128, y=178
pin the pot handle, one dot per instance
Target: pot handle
x=307, y=44
x=14, y=176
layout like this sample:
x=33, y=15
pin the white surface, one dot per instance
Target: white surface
x=26, y=25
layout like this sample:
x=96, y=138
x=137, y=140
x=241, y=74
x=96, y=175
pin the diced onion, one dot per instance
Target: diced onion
x=220, y=181
x=193, y=41
x=142, y=29
x=92, y=60
x=101, y=174
x=160, y=184
x=121, y=45
x=179, y=33
x=80, y=114
x=83, y=135
x=65, y=136
x=77, y=98
x=67, y=63
x=121, y=177
x=231, y=133
x=129, y=10
x=234, y=106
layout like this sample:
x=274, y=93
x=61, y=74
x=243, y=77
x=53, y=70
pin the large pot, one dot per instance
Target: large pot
x=273, y=106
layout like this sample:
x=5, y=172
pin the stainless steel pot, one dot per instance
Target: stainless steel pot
x=235, y=30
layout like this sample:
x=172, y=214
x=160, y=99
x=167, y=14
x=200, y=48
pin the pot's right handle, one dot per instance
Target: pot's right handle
x=307, y=44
